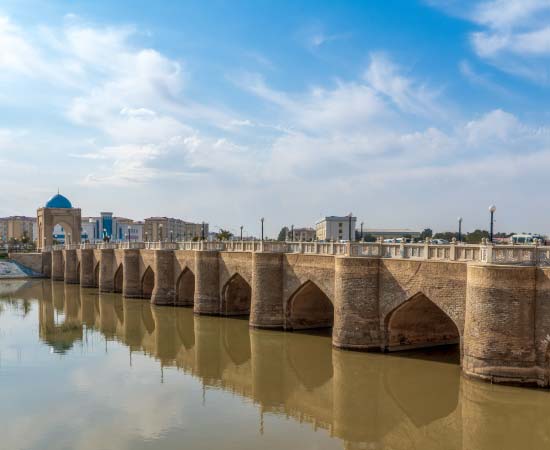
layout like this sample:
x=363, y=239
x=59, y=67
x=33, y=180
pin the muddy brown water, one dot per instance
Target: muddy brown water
x=83, y=370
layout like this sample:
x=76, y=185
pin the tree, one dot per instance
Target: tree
x=447, y=235
x=426, y=233
x=224, y=235
x=475, y=236
x=283, y=234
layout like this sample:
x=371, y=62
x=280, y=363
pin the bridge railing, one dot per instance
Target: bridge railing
x=482, y=253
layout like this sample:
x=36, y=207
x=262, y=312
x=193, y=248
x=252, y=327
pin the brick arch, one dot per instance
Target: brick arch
x=147, y=283
x=118, y=278
x=309, y=307
x=185, y=288
x=236, y=296
x=419, y=322
x=96, y=274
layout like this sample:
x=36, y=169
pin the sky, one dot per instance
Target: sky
x=406, y=113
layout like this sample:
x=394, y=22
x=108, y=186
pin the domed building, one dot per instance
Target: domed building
x=58, y=210
x=58, y=201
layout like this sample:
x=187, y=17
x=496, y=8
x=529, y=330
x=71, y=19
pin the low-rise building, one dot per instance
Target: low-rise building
x=18, y=227
x=301, y=234
x=336, y=228
x=389, y=233
x=170, y=229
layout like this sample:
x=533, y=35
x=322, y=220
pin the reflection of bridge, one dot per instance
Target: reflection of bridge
x=369, y=402
x=491, y=299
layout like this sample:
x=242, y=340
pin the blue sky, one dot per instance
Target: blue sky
x=406, y=113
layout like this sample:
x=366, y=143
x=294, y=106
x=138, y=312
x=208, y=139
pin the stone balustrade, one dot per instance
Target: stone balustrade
x=524, y=255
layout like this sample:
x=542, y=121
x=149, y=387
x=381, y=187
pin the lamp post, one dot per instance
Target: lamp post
x=349, y=226
x=459, y=229
x=241, y=232
x=160, y=232
x=362, y=239
x=292, y=233
x=171, y=236
x=262, y=220
x=202, y=231
x=128, y=233
x=104, y=234
x=492, y=210
x=146, y=236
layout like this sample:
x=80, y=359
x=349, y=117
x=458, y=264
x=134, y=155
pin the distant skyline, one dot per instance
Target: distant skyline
x=406, y=113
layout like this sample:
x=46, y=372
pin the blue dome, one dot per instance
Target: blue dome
x=58, y=201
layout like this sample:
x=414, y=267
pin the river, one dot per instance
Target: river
x=83, y=370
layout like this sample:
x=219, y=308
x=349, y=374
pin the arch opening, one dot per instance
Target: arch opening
x=309, y=307
x=185, y=289
x=419, y=323
x=147, y=283
x=96, y=275
x=62, y=233
x=119, y=279
x=236, y=297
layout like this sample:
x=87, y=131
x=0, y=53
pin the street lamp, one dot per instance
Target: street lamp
x=362, y=232
x=160, y=232
x=128, y=233
x=459, y=229
x=104, y=234
x=171, y=236
x=492, y=210
x=241, y=232
x=262, y=220
x=349, y=226
x=146, y=236
x=202, y=231
x=292, y=233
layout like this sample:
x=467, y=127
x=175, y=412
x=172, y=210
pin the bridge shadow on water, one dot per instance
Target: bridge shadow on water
x=448, y=354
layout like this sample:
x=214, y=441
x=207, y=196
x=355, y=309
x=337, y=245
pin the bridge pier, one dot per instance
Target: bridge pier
x=207, y=283
x=58, y=271
x=47, y=264
x=164, y=292
x=266, y=310
x=71, y=274
x=499, y=323
x=356, y=309
x=131, y=283
x=106, y=271
x=87, y=268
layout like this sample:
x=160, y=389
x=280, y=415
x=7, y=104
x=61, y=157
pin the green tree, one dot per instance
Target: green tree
x=447, y=235
x=224, y=235
x=426, y=233
x=283, y=234
x=475, y=236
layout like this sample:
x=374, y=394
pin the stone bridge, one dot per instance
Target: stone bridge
x=492, y=300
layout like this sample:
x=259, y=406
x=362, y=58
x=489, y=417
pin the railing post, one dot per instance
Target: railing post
x=332, y=247
x=452, y=251
x=427, y=248
x=402, y=252
x=348, y=248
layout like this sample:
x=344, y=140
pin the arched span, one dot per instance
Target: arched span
x=309, y=307
x=185, y=288
x=236, y=297
x=147, y=283
x=418, y=323
x=119, y=279
x=96, y=275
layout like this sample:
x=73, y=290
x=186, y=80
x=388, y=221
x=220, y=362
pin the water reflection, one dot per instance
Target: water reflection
x=366, y=400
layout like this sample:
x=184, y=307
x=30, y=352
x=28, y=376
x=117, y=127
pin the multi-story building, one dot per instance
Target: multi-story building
x=107, y=226
x=301, y=234
x=170, y=229
x=336, y=228
x=17, y=227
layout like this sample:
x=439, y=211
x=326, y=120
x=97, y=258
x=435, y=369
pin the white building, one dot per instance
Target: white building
x=336, y=228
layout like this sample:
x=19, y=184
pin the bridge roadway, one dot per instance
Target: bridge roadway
x=492, y=300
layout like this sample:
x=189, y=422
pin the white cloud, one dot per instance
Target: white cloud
x=515, y=35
